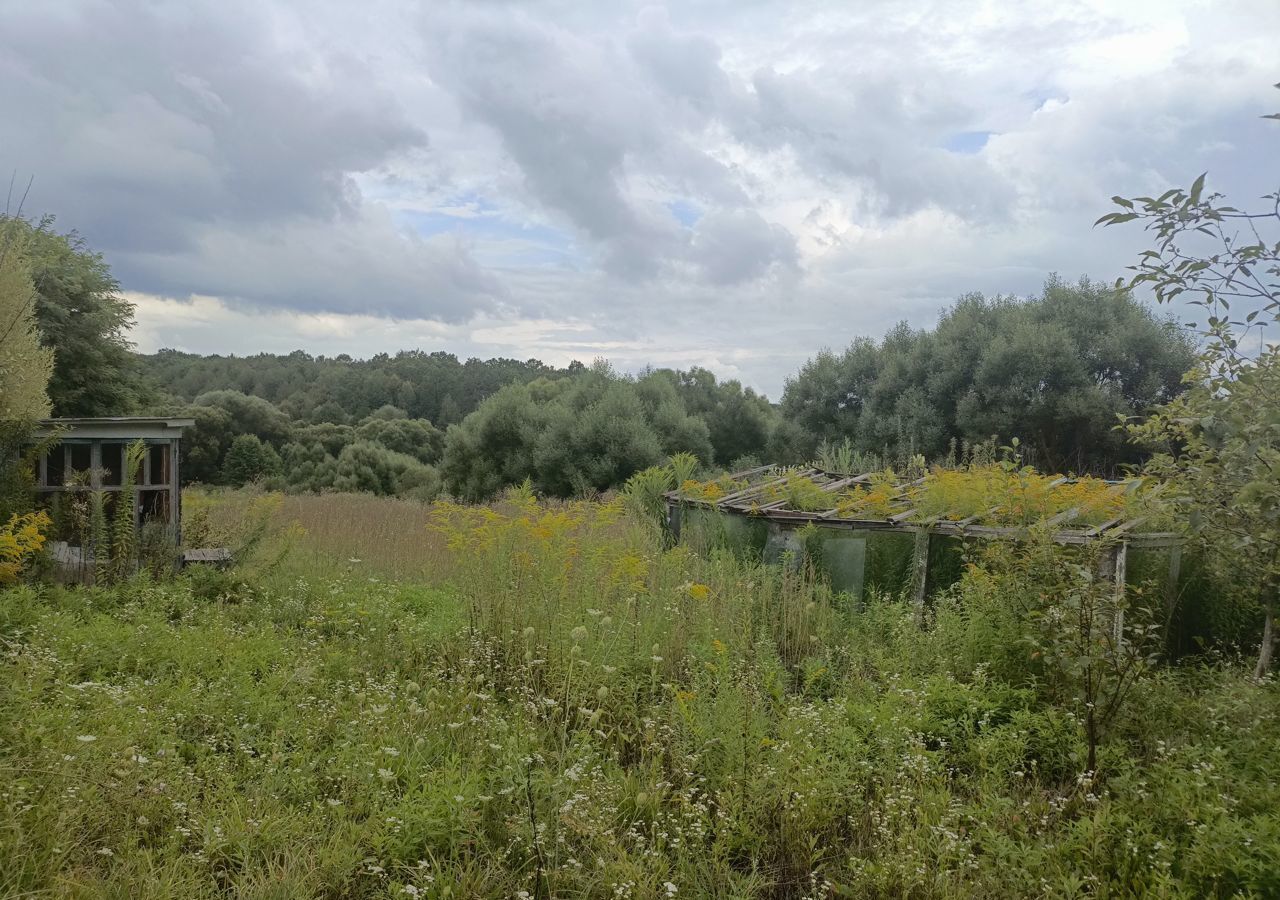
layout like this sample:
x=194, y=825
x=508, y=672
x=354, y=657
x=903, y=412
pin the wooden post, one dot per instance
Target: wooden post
x=95, y=465
x=1171, y=591
x=920, y=573
x=175, y=488
x=139, y=481
x=1112, y=567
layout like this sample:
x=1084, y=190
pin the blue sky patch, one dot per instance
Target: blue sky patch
x=967, y=141
x=499, y=240
x=685, y=212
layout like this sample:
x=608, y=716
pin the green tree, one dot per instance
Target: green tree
x=1219, y=444
x=249, y=460
x=1054, y=370
x=568, y=436
x=25, y=366
x=494, y=446
x=85, y=320
x=739, y=421
x=1218, y=450
x=307, y=467
x=368, y=467
x=206, y=443
x=435, y=386
x=250, y=415
x=413, y=437
x=595, y=440
x=328, y=435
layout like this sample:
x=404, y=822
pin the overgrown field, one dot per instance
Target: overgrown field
x=541, y=701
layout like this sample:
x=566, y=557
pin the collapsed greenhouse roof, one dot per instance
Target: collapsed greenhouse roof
x=1075, y=510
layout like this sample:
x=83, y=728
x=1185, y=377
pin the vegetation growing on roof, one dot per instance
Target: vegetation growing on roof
x=992, y=494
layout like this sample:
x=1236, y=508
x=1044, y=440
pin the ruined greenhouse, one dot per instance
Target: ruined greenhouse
x=877, y=530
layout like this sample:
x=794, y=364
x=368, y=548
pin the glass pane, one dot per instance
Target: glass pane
x=112, y=463
x=56, y=463
x=80, y=457
x=153, y=506
x=159, y=463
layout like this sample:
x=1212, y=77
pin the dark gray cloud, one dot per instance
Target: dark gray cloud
x=619, y=176
x=206, y=151
x=733, y=246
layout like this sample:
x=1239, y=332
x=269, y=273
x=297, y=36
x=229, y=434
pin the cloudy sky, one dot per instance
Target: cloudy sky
x=731, y=183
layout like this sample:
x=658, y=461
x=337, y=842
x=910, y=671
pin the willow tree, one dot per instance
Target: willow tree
x=25, y=366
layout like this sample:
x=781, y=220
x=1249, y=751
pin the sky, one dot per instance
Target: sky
x=734, y=184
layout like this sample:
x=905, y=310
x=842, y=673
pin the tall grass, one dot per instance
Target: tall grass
x=386, y=536
x=570, y=709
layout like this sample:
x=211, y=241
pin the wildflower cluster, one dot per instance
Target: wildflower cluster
x=20, y=539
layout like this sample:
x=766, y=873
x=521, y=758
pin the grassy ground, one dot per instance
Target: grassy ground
x=542, y=702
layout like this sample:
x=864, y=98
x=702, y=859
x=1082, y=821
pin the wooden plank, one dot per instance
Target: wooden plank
x=751, y=490
x=1126, y=525
x=1065, y=516
x=733, y=501
x=213, y=556
x=856, y=479
x=743, y=493
x=991, y=512
x=1098, y=529
x=747, y=473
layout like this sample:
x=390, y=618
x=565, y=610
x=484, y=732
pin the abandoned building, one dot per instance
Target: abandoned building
x=81, y=458
x=900, y=547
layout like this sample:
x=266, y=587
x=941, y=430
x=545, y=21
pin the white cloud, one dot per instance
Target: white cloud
x=726, y=184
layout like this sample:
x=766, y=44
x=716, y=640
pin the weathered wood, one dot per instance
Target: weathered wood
x=746, y=500
x=747, y=473
x=175, y=494
x=675, y=519
x=920, y=573
x=969, y=519
x=1112, y=568
x=1065, y=516
x=219, y=557
x=1126, y=525
x=752, y=490
x=1098, y=529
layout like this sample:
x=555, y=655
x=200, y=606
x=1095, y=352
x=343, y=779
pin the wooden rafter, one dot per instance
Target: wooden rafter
x=746, y=500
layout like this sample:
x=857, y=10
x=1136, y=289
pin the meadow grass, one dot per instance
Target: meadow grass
x=542, y=701
x=324, y=533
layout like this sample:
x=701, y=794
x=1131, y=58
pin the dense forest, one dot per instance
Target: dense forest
x=1058, y=371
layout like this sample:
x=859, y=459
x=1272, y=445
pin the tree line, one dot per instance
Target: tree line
x=1056, y=370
